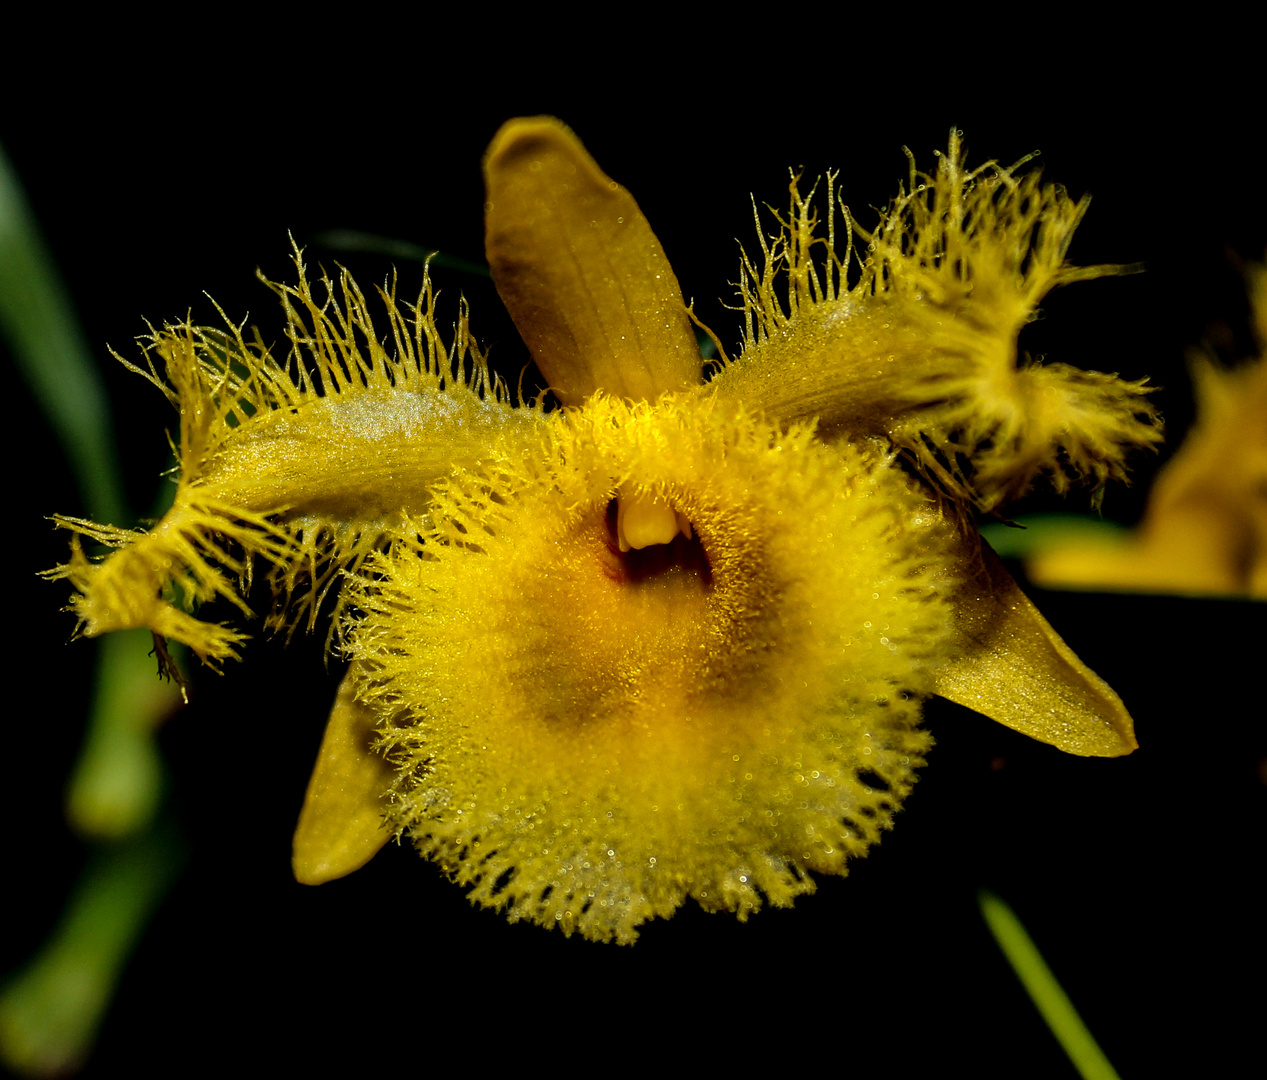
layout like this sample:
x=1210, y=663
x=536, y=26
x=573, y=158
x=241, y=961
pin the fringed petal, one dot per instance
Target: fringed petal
x=1204, y=531
x=301, y=465
x=923, y=347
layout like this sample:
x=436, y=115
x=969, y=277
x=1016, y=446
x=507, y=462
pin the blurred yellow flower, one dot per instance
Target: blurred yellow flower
x=1204, y=530
x=671, y=639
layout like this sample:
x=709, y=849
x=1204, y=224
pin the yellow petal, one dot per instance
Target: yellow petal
x=341, y=824
x=580, y=270
x=1205, y=529
x=1015, y=668
x=922, y=348
x=299, y=466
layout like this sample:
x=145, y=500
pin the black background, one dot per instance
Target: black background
x=172, y=162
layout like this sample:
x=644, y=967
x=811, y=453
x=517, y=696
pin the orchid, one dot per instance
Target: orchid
x=1204, y=531
x=671, y=638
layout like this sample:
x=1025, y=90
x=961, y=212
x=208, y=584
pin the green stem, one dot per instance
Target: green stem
x=1046, y=993
x=50, y=1013
x=37, y=319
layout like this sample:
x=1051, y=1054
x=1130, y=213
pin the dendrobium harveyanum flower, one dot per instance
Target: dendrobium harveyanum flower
x=1204, y=531
x=670, y=639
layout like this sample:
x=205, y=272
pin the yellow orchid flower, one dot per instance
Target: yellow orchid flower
x=1204, y=531
x=671, y=639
